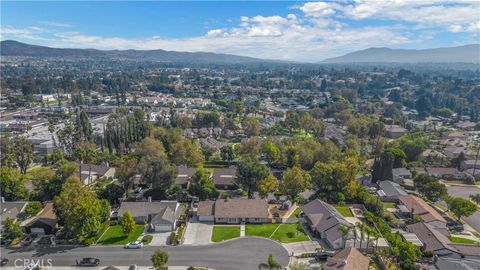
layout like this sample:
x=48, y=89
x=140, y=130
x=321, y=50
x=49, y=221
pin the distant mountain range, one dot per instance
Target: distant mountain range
x=460, y=54
x=15, y=48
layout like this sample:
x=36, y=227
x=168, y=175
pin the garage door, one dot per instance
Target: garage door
x=206, y=218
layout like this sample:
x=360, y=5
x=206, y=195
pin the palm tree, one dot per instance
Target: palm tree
x=271, y=264
x=344, y=230
x=361, y=227
x=368, y=232
x=375, y=235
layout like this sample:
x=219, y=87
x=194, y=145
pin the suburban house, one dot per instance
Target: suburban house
x=224, y=178
x=436, y=240
x=470, y=164
x=395, y=131
x=325, y=220
x=11, y=210
x=184, y=176
x=234, y=211
x=441, y=172
x=390, y=191
x=418, y=207
x=91, y=173
x=347, y=259
x=400, y=174
x=44, y=222
x=161, y=216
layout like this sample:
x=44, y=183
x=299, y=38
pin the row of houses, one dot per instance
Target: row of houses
x=224, y=178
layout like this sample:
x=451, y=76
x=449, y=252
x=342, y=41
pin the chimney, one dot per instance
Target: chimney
x=149, y=198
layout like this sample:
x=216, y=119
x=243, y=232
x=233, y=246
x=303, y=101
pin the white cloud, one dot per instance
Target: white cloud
x=321, y=30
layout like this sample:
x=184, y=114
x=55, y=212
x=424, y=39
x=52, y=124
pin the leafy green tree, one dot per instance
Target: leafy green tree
x=202, y=185
x=295, y=180
x=292, y=121
x=84, y=128
x=251, y=125
x=268, y=185
x=157, y=172
x=249, y=174
x=112, y=193
x=306, y=122
x=33, y=208
x=430, y=187
x=271, y=151
x=475, y=198
x=78, y=209
x=12, y=229
x=12, y=184
x=128, y=223
x=159, y=259
x=271, y=264
x=23, y=152
x=461, y=207
x=150, y=147
x=227, y=152
x=335, y=176
x=126, y=172
x=186, y=152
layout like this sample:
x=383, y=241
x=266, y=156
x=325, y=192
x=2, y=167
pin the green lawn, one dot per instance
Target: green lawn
x=221, y=233
x=286, y=233
x=115, y=236
x=455, y=239
x=344, y=211
x=387, y=205
x=296, y=212
x=262, y=230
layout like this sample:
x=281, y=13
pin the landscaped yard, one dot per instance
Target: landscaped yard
x=221, y=233
x=115, y=236
x=297, y=211
x=387, y=205
x=455, y=239
x=286, y=233
x=344, y=211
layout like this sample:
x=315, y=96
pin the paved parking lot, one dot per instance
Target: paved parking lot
x=198, y=233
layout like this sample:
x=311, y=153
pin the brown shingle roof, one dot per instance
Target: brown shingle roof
x=347, y=259
x=224, y=176
x=420, y=207
x=184, y=174
x=241, y=208
x=206, y=208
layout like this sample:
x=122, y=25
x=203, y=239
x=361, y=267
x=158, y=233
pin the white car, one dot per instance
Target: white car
x=134, y=245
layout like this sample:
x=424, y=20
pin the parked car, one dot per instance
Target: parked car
x=3, y=262
x=133, y=267
x=88, y=262
x=323, y=255
x=134, y=245
x=29, y=240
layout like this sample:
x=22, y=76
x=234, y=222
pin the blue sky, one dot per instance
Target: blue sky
x=302, y=31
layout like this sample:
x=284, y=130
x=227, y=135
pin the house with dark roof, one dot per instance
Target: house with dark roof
x=399, y=174
x=347, y=259
x=395, y=131
x=161, y=216
x=184, y=176
x=11, y=210
x=390, y=191
x=324, y=220
x=224, y=178
x=234, y=211
x=436, y=240
x=418, y=207
x=45, y=222
x=91, y=173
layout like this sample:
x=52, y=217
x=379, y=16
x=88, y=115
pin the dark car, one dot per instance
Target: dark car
x=323, y=255
x=3, y=262
x=28, y=240
x=88, y=262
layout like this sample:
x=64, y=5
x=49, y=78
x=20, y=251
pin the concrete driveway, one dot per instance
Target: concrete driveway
x=159, y=238
x=198, y=233
x=302, y=247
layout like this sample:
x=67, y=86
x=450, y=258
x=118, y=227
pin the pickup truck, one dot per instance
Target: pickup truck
x=88, y=262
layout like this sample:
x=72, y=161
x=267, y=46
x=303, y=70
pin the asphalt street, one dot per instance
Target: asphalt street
x=239, y=254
